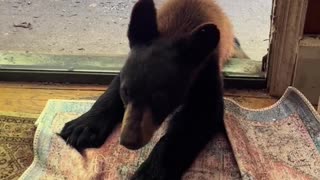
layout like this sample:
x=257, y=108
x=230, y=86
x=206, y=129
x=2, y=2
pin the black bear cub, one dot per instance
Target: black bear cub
x=174, y=61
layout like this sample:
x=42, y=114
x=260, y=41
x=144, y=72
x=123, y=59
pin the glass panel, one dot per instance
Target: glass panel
x=251, y=21
x=90, y=36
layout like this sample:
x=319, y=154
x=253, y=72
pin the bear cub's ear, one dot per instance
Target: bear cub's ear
x=143, y=27
x=199, y=44
x=205, y=39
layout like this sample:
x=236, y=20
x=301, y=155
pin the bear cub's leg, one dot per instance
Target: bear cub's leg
x=92, y=128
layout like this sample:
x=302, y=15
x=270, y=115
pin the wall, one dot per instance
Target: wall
x=307, y=74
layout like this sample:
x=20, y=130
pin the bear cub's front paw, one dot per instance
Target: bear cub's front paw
x=87, y=131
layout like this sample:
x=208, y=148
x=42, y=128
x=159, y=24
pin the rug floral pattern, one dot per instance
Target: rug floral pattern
x=113, y=162
x=279, y=142
x=274, y=150
x=16, y=149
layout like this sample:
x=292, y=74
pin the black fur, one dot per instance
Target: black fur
x=161, y=73
x=137, y=34
x=92, y=128
x=190, y=129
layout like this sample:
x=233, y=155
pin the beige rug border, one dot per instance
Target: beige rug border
x=283, y=97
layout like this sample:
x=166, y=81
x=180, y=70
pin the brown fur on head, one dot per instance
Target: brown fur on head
x=180, y=16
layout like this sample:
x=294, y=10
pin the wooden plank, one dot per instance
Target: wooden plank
x=254, y=103
x=31, y=98
x=247, y=93
x=25, y=100
x=288, y=17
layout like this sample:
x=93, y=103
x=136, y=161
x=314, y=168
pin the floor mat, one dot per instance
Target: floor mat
x=279, y=142
x=55, y=160
x=16, y=144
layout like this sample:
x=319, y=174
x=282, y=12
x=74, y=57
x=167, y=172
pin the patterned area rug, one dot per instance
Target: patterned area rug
x=279, y=142
x=16, y=148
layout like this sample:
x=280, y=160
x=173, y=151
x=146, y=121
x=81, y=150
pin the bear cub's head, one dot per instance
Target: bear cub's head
x=158, y=72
